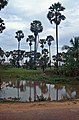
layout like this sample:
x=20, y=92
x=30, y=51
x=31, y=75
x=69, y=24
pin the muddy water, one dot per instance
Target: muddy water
x=34, y=91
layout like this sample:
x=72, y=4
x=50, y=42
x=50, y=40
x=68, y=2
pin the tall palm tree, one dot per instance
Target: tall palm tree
x=42, y=42
x=54, y=15
x=19, y=35
x=49, y=39
x=30, y=39
x=36, y=27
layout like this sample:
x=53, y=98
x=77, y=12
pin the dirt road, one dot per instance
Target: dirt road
x=40, y=111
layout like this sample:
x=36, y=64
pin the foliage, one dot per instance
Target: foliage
x=19, y=35
x=54, y=15
x=36, y=27
x=71, y=57
x=3, y=3
x=2, y=25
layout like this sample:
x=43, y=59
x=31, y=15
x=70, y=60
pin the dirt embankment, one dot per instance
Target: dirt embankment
x=9, y=107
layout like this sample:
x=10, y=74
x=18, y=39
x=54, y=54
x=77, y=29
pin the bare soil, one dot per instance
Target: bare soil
x=68, y=110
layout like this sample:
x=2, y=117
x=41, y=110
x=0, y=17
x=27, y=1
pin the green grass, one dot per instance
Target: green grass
x=12, y=74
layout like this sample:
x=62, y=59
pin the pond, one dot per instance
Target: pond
x=27, y=91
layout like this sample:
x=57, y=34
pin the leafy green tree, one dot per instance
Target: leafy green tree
x=60, y=59
x=73, y=50
x=1, y=54
x=54, y=15
x=7, y=54
x=13, y=59
x=19, y=35
x=2, y=25
x=36, y=27
x=44, y=59
x=71, y=57
x=49, y=39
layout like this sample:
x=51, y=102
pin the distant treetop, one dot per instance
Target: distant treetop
x=3, y=3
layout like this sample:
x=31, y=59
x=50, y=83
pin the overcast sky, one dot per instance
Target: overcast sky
x=18, y=15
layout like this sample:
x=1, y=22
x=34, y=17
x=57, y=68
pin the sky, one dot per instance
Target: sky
x=19, y=14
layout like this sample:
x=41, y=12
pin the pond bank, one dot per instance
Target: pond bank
x=13, y=107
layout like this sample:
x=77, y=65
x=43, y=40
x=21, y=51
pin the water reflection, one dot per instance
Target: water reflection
x=33, y=91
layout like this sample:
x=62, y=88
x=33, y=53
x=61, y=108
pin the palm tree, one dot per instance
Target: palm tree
x=54, y=15
x=30, y=39
x=19, y=35
x=36, y=27
x=3, y=3
x=73, y=50
x=42, y=42
x=49, y=39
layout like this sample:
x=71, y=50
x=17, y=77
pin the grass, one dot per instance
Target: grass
x=12, y=74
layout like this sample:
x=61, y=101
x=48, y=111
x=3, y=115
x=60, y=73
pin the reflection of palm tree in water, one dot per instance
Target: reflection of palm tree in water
x=30, y=98
x=22, y=86
x=49, y=98
x=73, y=91
x=43, y=87
x=17, y=85
x=57, y=87
x=69, y=92
x=0, y=83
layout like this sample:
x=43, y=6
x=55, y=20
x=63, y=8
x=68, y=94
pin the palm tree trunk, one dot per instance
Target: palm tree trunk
x=42, y=51
x=49, y=91
x=57, y=43
x=30, y=57
x=57, y=94
x=30, y=92
x=18, y=54
x=18, y=88
x=49, y=57
x=35, y=51
x=77, y=56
